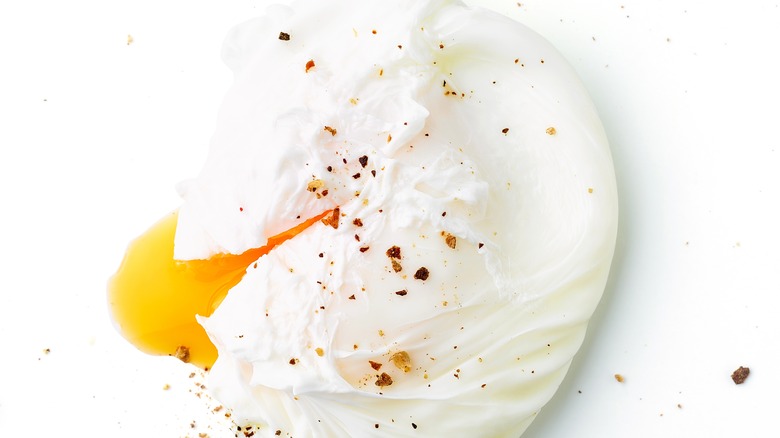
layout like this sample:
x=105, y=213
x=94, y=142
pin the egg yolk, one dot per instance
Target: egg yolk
x=153, y=298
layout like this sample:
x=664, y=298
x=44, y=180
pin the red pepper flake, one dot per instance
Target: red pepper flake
x=740, y=374
x=357, y=222
x=364, y=248
x=402, y=293
x=331, y=130
x=240, y=208
x=284, y=36
x=363, y=160
x=309, y=65
x=422, y=274
x=383, y=380
x=394, y=252
x=333, y=218
x=505, y=130
x=352, y=297
x=375, y=365
x=325, y=192
x=356, y=176
x=357, y=237
x=293, y=361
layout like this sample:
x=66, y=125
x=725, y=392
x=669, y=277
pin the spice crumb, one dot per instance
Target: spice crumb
x=402, y=361
x=284, y=36
x=740, y=375
x=331, y=130
x=402, y=292
x=505, y=130
x=182, y=353
x=375, y=365
x=422, y=274
x=333, y=218
x=619, y=378
x=450, y=240
x=396, y=266
x=384, y=380
x=551, y=131
x=394, y=252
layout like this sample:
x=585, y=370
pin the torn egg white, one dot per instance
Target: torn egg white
x=449, y=132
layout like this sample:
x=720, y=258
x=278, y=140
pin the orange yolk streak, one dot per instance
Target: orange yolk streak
x=153, y=298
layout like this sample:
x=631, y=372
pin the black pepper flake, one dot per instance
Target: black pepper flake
x=444, y=214
x=480, y=245
x=278, y=432
x=505, y=130
x=329, y=168
x=421, y=274
x=364, y=248
x=394, y=252
x=414, y=426
x=357, y=222
x=293, y=361
x=357, y=237
x=352, y=297
x=740, y=374
x=356, y=176
x=284, y=36
x=402, y=292
x=363, y=160
x=322, y=255
x=373, y=173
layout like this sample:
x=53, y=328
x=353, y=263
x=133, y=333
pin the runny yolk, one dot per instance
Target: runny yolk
x=153, y=298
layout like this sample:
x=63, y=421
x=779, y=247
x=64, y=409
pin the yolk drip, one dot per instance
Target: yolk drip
x=154, y=299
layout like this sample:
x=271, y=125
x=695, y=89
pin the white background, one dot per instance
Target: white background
x=95, y=133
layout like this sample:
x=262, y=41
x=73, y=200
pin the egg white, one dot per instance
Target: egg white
x=450, y=108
